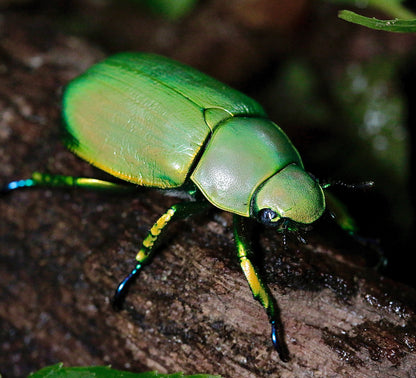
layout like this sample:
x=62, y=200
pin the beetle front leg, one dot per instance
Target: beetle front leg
x=259, y=289
x=177, y=211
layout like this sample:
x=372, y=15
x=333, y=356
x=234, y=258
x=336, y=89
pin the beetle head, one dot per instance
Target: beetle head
x=291, y=194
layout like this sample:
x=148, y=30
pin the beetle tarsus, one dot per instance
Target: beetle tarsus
x=278, y=343
x=123, y=287
x=13, y=185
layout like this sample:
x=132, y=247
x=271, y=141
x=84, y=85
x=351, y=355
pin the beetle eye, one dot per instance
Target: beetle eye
x=266, y=215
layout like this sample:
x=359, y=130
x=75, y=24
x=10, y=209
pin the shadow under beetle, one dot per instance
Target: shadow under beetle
x=154, y=122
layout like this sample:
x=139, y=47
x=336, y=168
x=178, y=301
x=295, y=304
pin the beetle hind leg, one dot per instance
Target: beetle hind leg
x=45, y=180
x=149, y=245
x=260, y=291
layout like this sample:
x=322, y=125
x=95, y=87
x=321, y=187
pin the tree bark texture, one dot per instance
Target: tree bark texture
x=63, y=252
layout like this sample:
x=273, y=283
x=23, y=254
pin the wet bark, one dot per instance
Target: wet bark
x=63, y=253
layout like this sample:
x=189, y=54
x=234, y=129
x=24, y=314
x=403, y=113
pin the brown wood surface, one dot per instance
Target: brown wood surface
x=63, y=252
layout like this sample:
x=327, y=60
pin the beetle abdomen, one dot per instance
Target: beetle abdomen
x=144, y=118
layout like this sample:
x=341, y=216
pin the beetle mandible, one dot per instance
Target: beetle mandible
x=155, y=122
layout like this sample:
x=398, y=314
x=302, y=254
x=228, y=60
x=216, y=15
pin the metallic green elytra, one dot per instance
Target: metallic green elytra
x=154, y=122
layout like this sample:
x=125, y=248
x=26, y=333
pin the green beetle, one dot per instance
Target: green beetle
x=154, y=122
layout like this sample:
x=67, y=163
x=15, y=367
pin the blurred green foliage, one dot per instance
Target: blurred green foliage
x=170, y=9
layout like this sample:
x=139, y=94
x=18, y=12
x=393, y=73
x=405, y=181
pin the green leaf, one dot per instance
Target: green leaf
x=397, y=25
x=392, y=8
x=58, y=371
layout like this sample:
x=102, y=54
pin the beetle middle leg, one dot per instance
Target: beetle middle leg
x=340, y=214
x=259, y=289
x=177, y=211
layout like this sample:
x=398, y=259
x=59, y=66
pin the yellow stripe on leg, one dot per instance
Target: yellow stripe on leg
x=256, y=286
x=152, y=236
x=141, y=255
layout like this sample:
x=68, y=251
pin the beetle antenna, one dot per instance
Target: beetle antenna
x=357, y=186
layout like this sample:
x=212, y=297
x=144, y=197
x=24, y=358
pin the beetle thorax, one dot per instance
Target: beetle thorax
x=240, y=156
